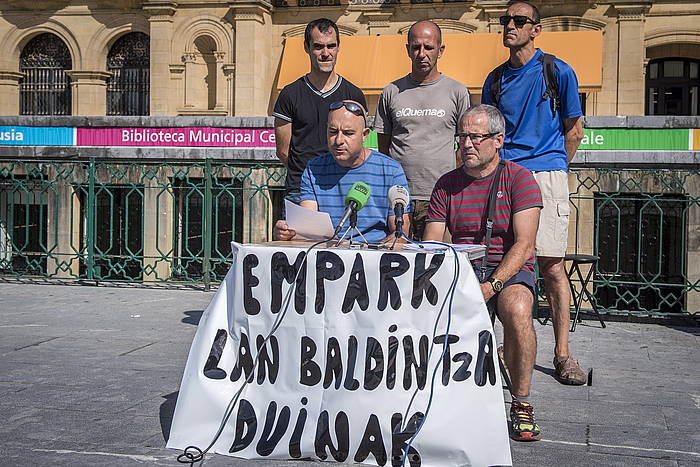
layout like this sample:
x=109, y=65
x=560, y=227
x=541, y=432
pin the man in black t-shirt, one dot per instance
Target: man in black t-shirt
x=301, y=110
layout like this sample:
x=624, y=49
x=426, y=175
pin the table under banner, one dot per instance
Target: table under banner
x=364, y=342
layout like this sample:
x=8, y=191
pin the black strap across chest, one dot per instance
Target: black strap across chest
x=490, y=214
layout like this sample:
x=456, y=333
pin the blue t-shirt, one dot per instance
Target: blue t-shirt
x=327, y=183
x=534, y=139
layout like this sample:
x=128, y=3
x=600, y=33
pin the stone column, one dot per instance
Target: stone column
x=89, y=91
x=630, y=58
x=220, y=81
x=253, y=28
x=9, y=92
x=158, y=218
x=63, y=224
x=257, y=207
x=161, y=34
x=692, y=303
x=5, y=228
x=190, y=59
x=177, y=78
x=229, y=70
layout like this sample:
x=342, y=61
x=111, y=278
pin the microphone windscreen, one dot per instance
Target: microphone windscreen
x=398, y=195
x=359, y=193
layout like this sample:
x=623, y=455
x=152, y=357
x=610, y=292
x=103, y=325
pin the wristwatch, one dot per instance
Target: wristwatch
x=496, y=284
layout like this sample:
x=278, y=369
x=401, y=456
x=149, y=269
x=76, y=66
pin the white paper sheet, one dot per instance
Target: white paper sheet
x=312, y=225
x=473, y=251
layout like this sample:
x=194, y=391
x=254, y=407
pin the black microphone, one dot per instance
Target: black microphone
x=398, y=200
x=357, y=197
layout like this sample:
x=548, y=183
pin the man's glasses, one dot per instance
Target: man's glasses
x=476, y=138
x=351, y=106
x=519, y=20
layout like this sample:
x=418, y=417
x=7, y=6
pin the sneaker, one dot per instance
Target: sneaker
x=568, y=371
x=522, y=422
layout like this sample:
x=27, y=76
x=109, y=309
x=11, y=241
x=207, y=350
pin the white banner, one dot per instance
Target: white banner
x=347, y=375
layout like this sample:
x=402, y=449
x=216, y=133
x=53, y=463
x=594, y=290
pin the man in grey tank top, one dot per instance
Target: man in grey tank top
x=417, y=116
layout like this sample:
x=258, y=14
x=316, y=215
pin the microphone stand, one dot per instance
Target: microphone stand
x=352, y=228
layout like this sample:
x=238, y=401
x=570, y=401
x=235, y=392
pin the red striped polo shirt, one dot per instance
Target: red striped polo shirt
x=461, y=201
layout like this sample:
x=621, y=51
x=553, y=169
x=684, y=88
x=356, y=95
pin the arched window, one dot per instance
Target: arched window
x=128, y=89
x=672, y=87
x=45, y=88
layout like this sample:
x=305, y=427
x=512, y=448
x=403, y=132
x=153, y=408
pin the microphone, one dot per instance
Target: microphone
x=357, y=197
x=398, y=200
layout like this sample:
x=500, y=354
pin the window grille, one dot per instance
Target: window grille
x=641, y=243
x=45, y=88
x=128, y=89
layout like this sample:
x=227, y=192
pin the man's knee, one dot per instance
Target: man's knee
x=551, y=268
x=514, y=306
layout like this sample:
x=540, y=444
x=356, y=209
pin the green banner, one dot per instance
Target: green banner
x=635, y=140
x=624, y=139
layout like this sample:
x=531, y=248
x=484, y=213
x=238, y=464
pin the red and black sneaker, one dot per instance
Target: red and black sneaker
x=522, y=422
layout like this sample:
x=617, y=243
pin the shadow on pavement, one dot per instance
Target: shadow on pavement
x=167, y=409
x=546, y=371
x=193, y=317
x=691, y=329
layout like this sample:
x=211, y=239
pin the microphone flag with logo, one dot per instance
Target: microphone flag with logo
x=398, y=200
x=357, y=197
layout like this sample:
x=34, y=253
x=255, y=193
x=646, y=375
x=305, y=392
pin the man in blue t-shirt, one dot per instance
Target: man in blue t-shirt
x=327, y=178
x=543, y=138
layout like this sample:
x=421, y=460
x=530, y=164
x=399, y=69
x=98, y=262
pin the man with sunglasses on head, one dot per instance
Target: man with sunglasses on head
x=417, y=116
x=328, y=178
x=301, y=110
x=544, y=128
x=462, y=202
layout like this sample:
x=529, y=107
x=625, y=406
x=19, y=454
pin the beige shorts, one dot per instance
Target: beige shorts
x=553, y=233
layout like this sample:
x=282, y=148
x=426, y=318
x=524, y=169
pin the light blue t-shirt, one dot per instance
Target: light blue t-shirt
x=327, y=183
x=534, y=139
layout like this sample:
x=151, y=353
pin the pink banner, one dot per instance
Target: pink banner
x=185, y=137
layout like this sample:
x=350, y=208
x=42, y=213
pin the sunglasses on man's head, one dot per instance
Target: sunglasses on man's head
x=519, y=20
x=351, y=106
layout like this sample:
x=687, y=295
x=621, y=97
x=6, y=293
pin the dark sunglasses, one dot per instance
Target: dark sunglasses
x=519, y=20
x=351, y=106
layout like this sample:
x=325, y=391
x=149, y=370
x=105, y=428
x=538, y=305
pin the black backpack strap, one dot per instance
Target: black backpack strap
x=495, y=85
x=490, y=214
x=551, y=81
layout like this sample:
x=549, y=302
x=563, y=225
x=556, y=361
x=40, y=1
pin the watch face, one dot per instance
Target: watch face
x=496, y=284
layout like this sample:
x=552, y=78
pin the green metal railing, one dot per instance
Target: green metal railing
x=132, y=222
x=173, y=223
x=644, y=225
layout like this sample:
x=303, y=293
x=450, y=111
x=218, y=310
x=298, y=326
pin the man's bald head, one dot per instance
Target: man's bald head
x=423, y=25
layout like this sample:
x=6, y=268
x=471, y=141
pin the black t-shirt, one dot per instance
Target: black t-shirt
x=307, y=109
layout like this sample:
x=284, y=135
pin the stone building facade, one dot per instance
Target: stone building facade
x=222, y=58
x=97, y=210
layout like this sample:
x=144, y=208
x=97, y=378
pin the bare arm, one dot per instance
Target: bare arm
x=384, y=142
x=283, y=136
x=434, y=231
x=525, y=225
x=573, y=134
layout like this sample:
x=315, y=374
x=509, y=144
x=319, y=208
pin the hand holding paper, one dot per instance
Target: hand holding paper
x=310, y=225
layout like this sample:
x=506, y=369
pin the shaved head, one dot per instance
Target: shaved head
x=425, y=24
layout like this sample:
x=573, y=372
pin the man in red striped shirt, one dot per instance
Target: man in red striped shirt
x=459, y=202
